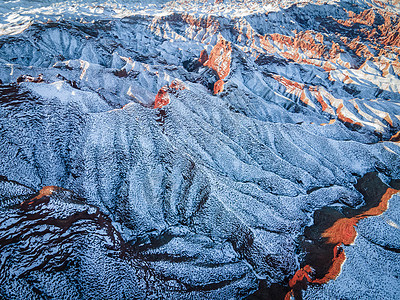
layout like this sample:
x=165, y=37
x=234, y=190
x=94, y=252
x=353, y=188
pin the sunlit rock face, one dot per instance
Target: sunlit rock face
x=178, y=150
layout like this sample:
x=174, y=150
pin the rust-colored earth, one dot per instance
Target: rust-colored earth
x=335, y=229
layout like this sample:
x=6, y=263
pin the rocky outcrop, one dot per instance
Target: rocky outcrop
x=220, y=61
x=162, y=97
x=203, y=57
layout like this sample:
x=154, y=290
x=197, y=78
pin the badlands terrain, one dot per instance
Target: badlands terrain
x=199, y=149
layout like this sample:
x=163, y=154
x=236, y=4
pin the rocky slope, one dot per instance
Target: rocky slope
x=185, y=146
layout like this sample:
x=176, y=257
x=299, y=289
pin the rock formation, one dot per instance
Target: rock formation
x=185, y=149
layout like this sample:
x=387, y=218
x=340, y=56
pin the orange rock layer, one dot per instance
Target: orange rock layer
x=43, y=193
x=342, y=232
x=309, y=47
x=220, y=61
x=162, y=97
x=344, y=118
x=305, y=93
x=396, y=137
x=209, y=22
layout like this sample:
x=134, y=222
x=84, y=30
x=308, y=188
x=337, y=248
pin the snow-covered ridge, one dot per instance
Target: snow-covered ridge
x=208, y=132
x=147, y=43
x=15, y=15
x=15, y=12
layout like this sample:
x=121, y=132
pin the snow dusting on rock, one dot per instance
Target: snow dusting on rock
x=180, y=149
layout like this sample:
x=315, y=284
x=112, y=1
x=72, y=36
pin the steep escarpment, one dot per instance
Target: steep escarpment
x=220, y=60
